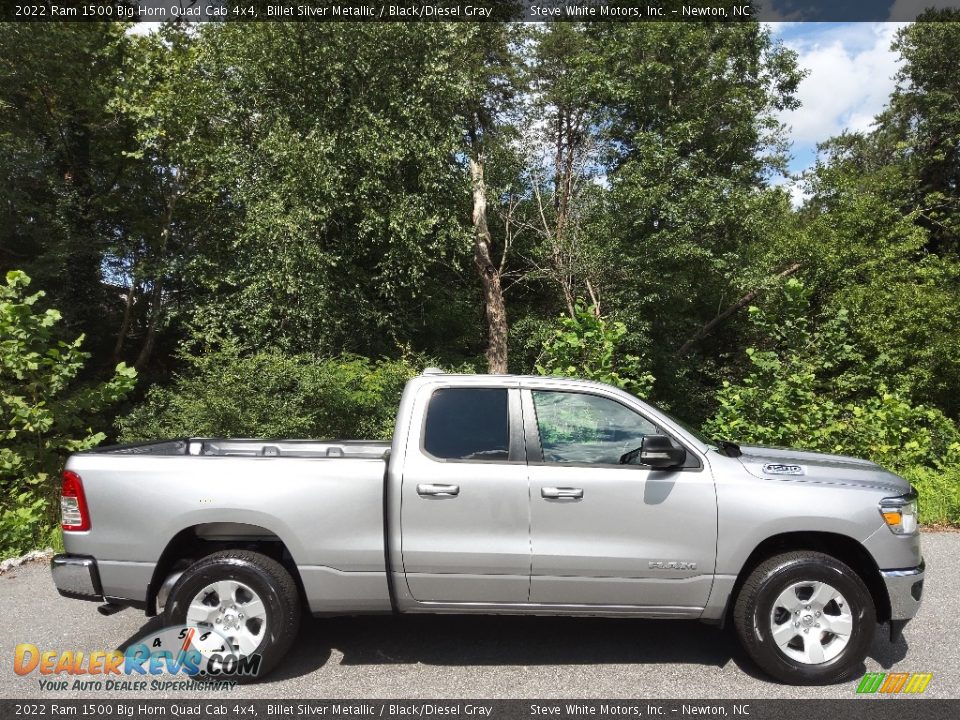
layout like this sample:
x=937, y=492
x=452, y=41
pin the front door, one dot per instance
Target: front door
x=465, y=501
x=603, y=533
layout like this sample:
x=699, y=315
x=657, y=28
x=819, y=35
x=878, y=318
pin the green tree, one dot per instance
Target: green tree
x=565, y=157
x=224, y=392
x=590, y=347
x=176, y=133
x=488, y=82
x=44, y=413
x=810, y=387
x=868, y=256
x=67, y=188
x=878, y=236
x=690, y=225
x=349, y=209
x=922, y=123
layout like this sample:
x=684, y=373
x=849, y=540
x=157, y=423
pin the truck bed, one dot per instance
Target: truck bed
x=323, y=499
x=230, y=447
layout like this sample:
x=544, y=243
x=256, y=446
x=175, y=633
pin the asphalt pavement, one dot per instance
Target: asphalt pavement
x=492, y=657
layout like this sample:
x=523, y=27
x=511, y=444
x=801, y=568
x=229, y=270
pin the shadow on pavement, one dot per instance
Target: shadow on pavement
x=463, y=640
x=886, y=653
x=506, y=640
x=308, y=653
x=154, y=624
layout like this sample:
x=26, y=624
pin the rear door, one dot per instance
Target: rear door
x=603, y=533
x=465, y=510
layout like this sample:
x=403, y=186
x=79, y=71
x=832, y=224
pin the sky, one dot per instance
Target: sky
x=851, y=73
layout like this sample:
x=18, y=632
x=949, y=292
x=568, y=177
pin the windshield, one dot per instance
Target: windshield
x=686, y=426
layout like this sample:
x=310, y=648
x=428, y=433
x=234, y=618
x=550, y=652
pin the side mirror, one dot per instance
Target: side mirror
x=658, y=452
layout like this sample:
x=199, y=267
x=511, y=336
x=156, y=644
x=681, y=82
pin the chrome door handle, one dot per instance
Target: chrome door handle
x=438, y=490
x=552, y=493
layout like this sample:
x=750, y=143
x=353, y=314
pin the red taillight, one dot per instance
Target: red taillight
x=73, y=503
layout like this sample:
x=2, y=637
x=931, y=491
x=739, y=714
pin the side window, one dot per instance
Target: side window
x=580, y=428
x=468, y=424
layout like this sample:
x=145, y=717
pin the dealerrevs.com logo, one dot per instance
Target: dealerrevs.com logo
x=894, y=683
x=190, y=653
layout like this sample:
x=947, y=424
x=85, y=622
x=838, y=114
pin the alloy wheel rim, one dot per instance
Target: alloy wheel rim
x=234, y=610
x=811, y=622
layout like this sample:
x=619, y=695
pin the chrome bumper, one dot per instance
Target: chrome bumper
x=76, y=577
x=905, y=588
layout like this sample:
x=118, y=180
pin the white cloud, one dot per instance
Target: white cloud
x=851, y=70
x=144, y=28
x=796, y=189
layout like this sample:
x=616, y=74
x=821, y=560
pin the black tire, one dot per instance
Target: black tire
x=265, y=576
x=754, y=609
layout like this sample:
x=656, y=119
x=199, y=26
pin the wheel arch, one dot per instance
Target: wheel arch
x=195, y=542
x=842, y=547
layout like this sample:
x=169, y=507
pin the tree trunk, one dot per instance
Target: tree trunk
x=594, y=297
x=156, y=300
x=125, y=323
x=489, y=274
x=568, y=298
x=564, y=258
x=156, y=303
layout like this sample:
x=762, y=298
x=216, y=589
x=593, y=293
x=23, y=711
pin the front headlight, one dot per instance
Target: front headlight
x=900, y=513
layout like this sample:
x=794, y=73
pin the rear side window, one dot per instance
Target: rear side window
x=468, y=424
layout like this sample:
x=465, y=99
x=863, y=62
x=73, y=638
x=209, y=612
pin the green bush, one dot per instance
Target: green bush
x=44, y=414
x=270, y=394
x=939, y=490
x=590, y=347
x=813, y=390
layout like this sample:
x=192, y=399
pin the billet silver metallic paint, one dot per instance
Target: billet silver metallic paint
x=497, y=546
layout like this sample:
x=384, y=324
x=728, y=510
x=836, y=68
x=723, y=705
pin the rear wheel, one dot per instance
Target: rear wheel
x=246, y=598
x=805, y=618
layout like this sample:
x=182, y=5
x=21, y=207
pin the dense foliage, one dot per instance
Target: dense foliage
x=44, y=413
x=810, y=387
x=272, y=394
x=590, y=347
x=277, y=223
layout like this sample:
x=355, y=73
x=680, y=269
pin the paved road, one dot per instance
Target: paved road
x=491, y=657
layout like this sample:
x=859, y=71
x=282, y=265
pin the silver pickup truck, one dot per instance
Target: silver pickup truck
x=501, y=494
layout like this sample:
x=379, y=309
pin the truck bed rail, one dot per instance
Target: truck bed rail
x=228, y=447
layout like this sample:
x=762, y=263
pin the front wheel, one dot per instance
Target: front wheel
x=246, y=602
x=805, y=618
